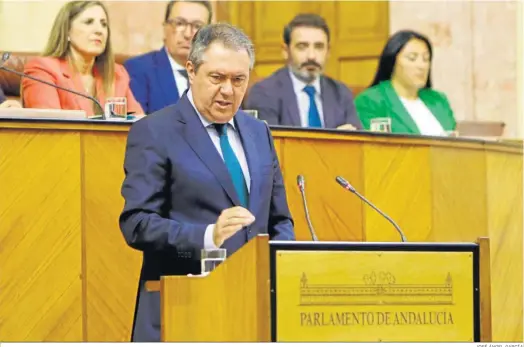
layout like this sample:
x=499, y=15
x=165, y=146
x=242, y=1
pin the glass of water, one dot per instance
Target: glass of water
x=381, y=125
x=452, y=133
x=116, y=107
x=253, y=113
x=211, y=258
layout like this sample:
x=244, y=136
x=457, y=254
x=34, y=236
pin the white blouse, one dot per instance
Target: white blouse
x=424, y=119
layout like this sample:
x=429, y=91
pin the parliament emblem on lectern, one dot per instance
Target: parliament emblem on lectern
x=376, y=288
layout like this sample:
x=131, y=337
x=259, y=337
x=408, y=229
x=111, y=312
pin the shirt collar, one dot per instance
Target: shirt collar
x=204, y=121
x=174, y=65
x=298, y=85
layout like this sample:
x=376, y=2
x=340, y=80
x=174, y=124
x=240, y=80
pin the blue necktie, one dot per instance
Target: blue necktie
x=313, y=115
x=233, y=165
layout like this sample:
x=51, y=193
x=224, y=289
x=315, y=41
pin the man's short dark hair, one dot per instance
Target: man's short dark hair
x=206, y=4
x=309, y=20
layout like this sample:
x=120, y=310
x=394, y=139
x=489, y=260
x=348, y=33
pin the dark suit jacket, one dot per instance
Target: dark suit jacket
x=275, y=100
x=177, y=184
x=152, y=80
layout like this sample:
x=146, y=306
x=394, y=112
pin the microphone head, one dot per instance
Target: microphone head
x=344, y=183
x=300, y=181
x=5, y=56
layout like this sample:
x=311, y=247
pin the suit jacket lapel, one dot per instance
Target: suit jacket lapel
x=166, y=78
x=290, y=99
x=197, y=137
x=398, y=109
x=250, y=150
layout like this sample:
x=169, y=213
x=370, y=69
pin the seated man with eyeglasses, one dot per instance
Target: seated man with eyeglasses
x=159, y=78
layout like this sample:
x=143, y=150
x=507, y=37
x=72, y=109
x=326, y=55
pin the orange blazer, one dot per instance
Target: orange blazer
x=58, y=71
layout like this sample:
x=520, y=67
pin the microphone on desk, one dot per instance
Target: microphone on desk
x=5, y=57
x=302, y=187
x=346, y=185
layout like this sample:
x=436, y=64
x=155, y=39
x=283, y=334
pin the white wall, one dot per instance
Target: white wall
x=25, y=25
x=475, y=54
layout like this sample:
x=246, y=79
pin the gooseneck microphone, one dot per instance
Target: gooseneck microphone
x=346, y=185
x=302, y=187
x=5, y=57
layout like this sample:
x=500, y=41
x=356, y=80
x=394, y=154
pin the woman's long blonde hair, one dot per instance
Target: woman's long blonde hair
x=59, y=46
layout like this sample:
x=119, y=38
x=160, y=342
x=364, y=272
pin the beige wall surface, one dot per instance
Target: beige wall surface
x=133, y=31
x=136, y=25
x=475, y=62
x=25, y=25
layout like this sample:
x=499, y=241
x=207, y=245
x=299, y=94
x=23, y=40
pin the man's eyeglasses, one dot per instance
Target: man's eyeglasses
x=179, y=24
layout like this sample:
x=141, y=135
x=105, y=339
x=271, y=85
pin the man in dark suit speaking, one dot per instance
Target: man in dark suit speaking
x=299, y=94
x=200, y=173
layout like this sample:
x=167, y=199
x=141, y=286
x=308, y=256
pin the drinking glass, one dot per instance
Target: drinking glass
x=382, y=125
x=452, y=133
x=253, y=113
x=116, y=107
x=211, y=258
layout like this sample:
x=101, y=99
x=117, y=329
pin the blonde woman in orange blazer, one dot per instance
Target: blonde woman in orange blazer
x=78, y=56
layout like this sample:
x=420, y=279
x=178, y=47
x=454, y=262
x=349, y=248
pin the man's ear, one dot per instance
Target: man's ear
x=190, y=68
x=285, y=51
x=166, y=29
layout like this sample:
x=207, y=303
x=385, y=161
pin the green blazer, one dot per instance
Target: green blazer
x=382, y=101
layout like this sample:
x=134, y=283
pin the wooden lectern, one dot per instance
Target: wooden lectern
x=334, y=291
x=232, y=303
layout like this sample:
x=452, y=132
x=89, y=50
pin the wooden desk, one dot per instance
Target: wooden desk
x=67, y=274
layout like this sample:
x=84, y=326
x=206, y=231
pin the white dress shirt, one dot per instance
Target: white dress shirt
x=181, y=81
x=423, y=118
x=303, y=99
x=236, y=144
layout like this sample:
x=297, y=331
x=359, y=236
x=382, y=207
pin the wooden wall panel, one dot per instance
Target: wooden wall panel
x=112, y=268
x=335, y=214
x=504, y=208
x=40, y=236
x=358, y=73
x=361, y=27
x=359, y=30
x=277, y=14
x=459, y=200
x=397, y=180
x=265, y=69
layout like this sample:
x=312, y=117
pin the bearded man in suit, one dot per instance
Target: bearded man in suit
x=299, y=94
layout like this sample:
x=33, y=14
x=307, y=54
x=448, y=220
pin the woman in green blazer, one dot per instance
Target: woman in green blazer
x=401, y=90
